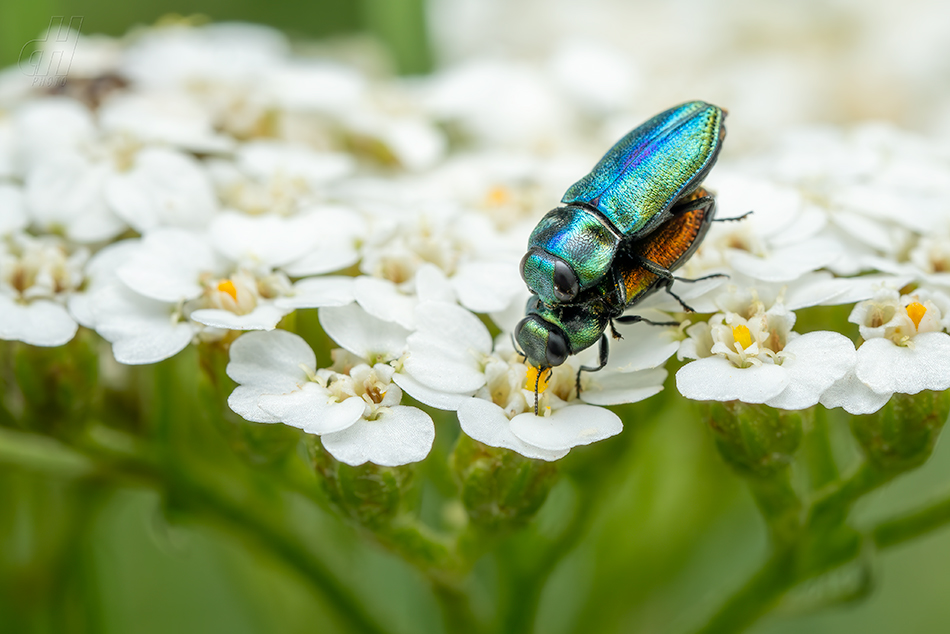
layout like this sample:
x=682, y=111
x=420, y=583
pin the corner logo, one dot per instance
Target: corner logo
x=49, y=63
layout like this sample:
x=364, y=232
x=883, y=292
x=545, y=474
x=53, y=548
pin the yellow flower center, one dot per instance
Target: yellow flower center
x=916, y=310
x=532, y=380
x=498, y=196
x=742, y=336
x=227, y=286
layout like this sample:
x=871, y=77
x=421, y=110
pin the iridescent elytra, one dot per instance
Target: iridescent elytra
x=645, y=179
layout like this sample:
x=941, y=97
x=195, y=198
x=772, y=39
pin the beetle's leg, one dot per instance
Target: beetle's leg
x=666, y=280
x=604, y=351
x=699, y=279
x=613, y=331
x=636, y=319
x=692, y=204
x=736, y=219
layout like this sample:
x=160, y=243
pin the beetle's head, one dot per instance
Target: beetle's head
x=543, y=343
x=568, y=251
x=549, y=334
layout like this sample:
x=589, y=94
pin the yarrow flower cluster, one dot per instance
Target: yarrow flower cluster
x=217, y=183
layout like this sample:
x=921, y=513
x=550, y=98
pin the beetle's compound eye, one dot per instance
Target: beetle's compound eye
x=555, y=352
x=566, y=285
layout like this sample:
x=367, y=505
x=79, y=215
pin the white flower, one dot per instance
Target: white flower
x=37, y=278
x=172, y=285
x=456, y=255
x=91, y=183
x=757, y=359
x=12, y=210
x=905, y=350
x=779, y=242
x=353, y=406
x=453, y=364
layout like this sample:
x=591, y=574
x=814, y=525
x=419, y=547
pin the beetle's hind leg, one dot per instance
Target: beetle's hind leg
x=700, y=199
x=602, y=361
x=736, y=219
x=636, y=319
x=666, y=280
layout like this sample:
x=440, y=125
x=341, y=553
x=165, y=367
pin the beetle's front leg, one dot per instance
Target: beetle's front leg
x=604, y=352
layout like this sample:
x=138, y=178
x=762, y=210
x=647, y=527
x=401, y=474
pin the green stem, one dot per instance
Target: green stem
x=820, y=460
x=759, y=594
x=833, y=505
x=780, y=505
x=896, y=531
x=456, y=610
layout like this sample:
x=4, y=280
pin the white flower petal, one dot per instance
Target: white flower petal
x=12, y=209
x=39, y=323
x=353, y=329
x=445, y=353
x=886, y=367
x=317, y=292
x=854, y=396
x=817, y=361
x=787, y=263
x=262, y=240
x=313, y=409
x=428, y=396
x=380, y=298
x=398, y=436
x=643, y=346
x=140, y=329
x=567, y=427
x=243, y=401
x=164, y=188
x=485, y=287
x=66, y=191
x=272, y=362
x=168, y=264
x=616, y=388
x=432, y=285
x=263, y=317
x=486, y=422
x=717, y=379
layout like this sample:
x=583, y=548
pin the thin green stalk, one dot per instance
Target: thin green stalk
x=820, y=460
x=456, y=609
x=832, y=506
x=780, y=505
x=896, y=531
x=759, y=594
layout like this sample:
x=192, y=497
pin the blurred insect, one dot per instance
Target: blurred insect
x=648, y=177
x=552, y=332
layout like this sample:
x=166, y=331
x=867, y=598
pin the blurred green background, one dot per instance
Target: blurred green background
x=662, y=529
x=398, y=24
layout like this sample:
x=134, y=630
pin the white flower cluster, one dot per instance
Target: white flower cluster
x=189, y=183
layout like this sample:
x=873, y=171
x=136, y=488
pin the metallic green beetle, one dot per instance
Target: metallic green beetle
x=551, y=332
x=646, y=178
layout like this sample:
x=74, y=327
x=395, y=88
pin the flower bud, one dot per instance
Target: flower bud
x=369, y=494
x=500, y=488
x=755, y=439
x=901, y=435
x=57, y=385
